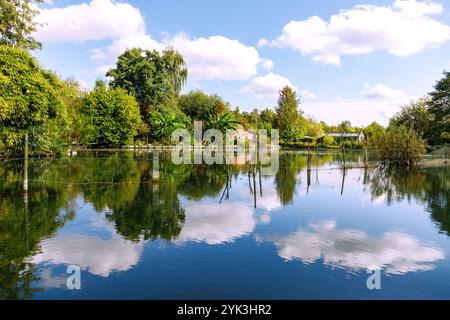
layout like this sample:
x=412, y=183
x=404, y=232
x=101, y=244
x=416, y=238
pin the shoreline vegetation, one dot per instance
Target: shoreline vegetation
x=142, y=103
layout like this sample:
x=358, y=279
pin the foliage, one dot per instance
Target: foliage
x=313, y=129
x=29, y=102
x=201, y=106
x=110, y=117
x=154, y=79
x=328, y=142
x=290, y=120
x=267, y=119
x=415, y=115
x=440, y=108
x=399, y=145
x=222, y=122
x=373, y=129
x=162, y=125
x=17, y=25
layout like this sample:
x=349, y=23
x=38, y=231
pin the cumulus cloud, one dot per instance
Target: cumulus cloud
x=118, y=46
x=360, y=112
x=402, y=29
x=380, y=91
x=97, y=20
x=217, y=57
x=98, y=256
x=217, y=223
x=354, y=250
x=267, y=86
x=306, y=94
x=212, y=58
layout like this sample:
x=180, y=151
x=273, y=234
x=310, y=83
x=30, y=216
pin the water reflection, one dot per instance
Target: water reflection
x=355, y=250
x=217, y=223
x=213, y=205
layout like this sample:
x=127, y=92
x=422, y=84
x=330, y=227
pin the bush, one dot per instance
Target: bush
x=399, y=145
x=110, y=117
x=328, y=142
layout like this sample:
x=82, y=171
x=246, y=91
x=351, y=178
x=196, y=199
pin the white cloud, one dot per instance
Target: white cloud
x=306, y=94
x=216, y=223
x=217, y=57
x=213, y=58
x=98, y=256
x=381, y=91
x=402, y=29
x=110, y=53
x=97, y=20
x=359, y=111
x=267, y=86
x=267, y=64
x=395, y=252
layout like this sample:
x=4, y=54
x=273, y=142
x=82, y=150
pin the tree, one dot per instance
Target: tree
x=222, y=122
x=415, y=115
x=440, y=108
x=176, y=69
x=17, y=24
x=154, y=79
x=163, y=125
x=110, y=116
x=313, y=129
x=29, y=99
x=267, y=119
x=72, y=95
x=201, y=106
x=398, y=145
x=289, y=115
x=373, y=129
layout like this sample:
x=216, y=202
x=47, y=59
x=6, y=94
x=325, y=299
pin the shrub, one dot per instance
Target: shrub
x=110, y=117
x=399, y=145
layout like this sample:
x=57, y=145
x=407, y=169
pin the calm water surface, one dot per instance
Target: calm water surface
x=207, y=232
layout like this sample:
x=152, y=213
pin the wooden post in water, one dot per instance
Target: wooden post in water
x=308, y=171
x=366, y=158
x=25, y=168
x=343, y=157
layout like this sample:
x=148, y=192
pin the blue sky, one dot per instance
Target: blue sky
x=357, y=60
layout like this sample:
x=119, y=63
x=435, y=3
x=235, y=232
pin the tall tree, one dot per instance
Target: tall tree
x=440, y=108
x=176, y=69
x=289, y=114
x=17, y=24
x=154, y=79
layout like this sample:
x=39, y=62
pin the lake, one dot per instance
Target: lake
x=223, y=231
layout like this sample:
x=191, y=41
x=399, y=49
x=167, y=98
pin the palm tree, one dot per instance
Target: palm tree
x=222, y=122
x=162, y=126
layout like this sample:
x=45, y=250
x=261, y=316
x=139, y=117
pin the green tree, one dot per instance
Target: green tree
x=29, y=100
x=440, y=108
x=110, y=117
x=222, y=122
x=176, y=69
x=415, y=115
x=289, y=115
x=373, y=129
x=154, y=79
x=268, y=119
x=162, y=125
x=398, y=145
x=200, y=106
x=17, y=24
